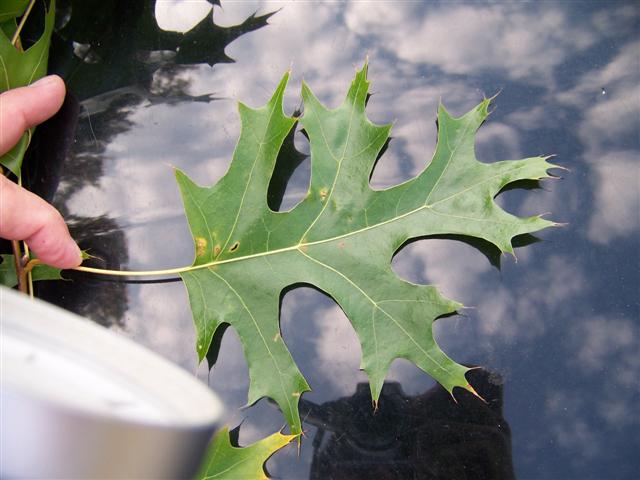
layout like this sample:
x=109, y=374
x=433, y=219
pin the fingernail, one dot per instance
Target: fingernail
x=44, y=81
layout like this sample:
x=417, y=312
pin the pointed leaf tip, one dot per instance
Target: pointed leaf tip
x=494, y=96
x=469, y=388
x=357, y=93
x=278, y=95
x=365, y=66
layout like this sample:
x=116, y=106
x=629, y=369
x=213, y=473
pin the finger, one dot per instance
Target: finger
x=25, y=107
x=25, y=216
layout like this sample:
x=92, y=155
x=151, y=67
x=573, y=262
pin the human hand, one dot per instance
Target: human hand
x=24, y=215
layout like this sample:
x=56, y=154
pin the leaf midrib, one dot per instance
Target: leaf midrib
x=303, y=245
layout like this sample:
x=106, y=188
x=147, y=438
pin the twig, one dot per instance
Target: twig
x=17, y=254
x=28, y=267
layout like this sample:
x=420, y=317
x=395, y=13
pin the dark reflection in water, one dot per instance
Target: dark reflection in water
x=427, y=436
x=560, y=326
x=104, y=46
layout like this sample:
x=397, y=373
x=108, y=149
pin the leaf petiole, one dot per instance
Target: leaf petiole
x=189, y=268
x=139, y=273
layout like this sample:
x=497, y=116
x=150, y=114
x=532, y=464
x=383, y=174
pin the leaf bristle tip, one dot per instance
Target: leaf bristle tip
x=469, y=388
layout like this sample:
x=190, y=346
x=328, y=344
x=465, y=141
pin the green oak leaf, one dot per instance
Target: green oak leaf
x=341, y=238
x=8, y=276
x=224, y=461
x=19, y=68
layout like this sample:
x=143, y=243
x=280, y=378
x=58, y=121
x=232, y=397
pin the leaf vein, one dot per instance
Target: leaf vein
x=246, y=188
x=376, y=305
x=453, y=152
x=342, y=157
x=257, y=326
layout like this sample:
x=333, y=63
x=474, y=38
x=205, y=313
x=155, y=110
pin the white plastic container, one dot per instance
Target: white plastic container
x=79, y=401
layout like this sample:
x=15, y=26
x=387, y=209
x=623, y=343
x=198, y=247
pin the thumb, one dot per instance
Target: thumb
x=25, y=107
x=25, y=216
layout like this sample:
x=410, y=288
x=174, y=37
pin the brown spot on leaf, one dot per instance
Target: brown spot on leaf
x=216, y=250
x=234, y=247
x=201, y=246
x=323, y=194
